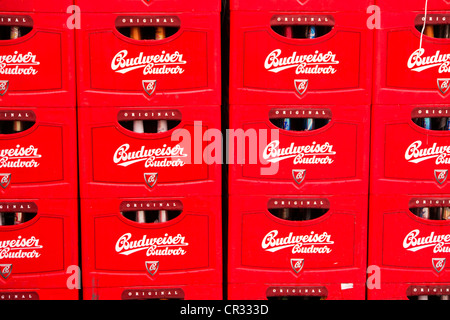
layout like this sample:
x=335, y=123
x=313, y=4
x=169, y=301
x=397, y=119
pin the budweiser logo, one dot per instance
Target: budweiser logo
x=415, y=154
x=159, y=246
x=309, y=154
x=19, y=157
x=316, y=63
x=158, y=157
x=418, y=62
x=413, y=242
x=20, y=248
x=18, y=64
x=164, y=63
x=308, y=243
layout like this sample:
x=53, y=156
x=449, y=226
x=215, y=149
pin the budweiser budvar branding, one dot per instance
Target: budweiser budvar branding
x=20, y=248
x=159, y=246
x=314, y=153
x=157, y=157
x=19, y=157
x=415, y=153
x=419, y=62
x=18, y=64
x=164, y=63
x=316, y=63
x=308, y=243
x=440, y=243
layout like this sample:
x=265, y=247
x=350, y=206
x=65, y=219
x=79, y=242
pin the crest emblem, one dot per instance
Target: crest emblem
x=5, y=270
x=297, y=265
x=301, y=86
x=299, y=175
x=149, y=86
x=152, y=267
x=4, y=85
x=302, y=2
x=5, y=180
x=443, y=85
x=150, y=179
x=438, y=264
x=441, y=175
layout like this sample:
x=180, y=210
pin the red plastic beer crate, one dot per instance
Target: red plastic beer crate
x=412, y=67
x=39, y=258
x=407, y=248
x=38, y=68
x=406, y=157
x=267, y=67
x=301, y=5
x=333, y=159
x=116, y=161
x=182, y=69
x=266, y=250
x=146, y=6
x=410, y=291
x=40, y=161
x=177, y=259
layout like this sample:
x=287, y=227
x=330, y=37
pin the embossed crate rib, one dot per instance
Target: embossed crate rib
x=120, y=255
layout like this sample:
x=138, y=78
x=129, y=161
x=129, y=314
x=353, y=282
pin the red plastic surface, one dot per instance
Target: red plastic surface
x=40, y=162
x=57, y=6
x=39, y=252
x=265, y=250
x=182, y=69
x=146, y=6
x=300, y=5
x=406, y=248
x=38, y=69
x=119, y=162
x=333, y=159
x=411, y=67
x=266, y=67
x=118, y=254
x=414, y=5
x=405, y=157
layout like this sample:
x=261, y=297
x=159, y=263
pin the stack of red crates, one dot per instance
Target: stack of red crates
x=38, y=153
x=409, y=186
x=168, y=179
x=277, y=73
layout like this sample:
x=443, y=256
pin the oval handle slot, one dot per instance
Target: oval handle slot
x=15, y=218
x=302, y=31
x=300, y=124
x=151, y=216
x=433, y=123
x=13, y=32
x=298, y=214
x=431, y=213
x=14, y=126
x=150, y=126
x=302, y=26
x=440, y=31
